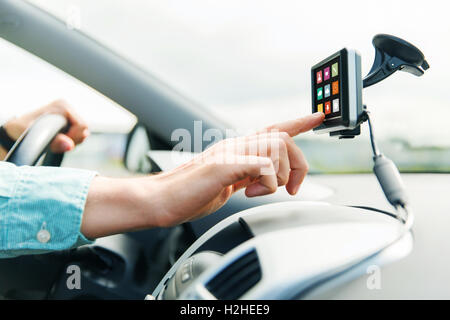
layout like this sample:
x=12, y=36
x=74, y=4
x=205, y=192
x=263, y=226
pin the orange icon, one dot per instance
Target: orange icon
x=335, y=87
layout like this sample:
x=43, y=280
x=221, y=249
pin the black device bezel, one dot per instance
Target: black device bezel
x=343, y=119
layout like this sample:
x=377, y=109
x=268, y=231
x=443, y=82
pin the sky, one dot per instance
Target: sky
x=248, y=61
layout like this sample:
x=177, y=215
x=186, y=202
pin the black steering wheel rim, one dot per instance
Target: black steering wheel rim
x=35, y=142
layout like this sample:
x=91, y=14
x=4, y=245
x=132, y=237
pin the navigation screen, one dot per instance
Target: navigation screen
x=326, y=82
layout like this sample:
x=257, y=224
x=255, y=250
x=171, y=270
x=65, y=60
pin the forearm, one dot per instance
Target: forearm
x=120, y=205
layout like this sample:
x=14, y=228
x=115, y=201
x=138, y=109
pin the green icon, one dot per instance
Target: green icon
x=319, y=93
x=334, y=70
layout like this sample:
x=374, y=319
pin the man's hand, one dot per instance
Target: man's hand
x=260, y=163
x=63, y=142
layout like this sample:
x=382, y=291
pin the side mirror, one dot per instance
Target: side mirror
x=138, y=145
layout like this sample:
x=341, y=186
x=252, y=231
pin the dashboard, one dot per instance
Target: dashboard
x=424, y=273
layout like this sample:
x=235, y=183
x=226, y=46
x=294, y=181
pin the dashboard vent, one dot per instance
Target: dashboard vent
x=237, y=278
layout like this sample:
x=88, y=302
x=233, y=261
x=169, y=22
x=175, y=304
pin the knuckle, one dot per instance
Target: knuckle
x=285, y=136
x=282, y=179
x=273, y=188
x=215, y=148
x=266, y=161
x=82, y=126
x=273, y=144
x=222, y=145
x=282, y=144
x=59, y=103
x=306, y=167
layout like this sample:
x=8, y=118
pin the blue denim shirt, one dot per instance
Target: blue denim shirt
x=41, y=208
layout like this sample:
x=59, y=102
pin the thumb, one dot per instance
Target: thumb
x=62, y=143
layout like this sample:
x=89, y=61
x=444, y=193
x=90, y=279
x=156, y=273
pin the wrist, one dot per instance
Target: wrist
x=120, y=205
x=150, y=197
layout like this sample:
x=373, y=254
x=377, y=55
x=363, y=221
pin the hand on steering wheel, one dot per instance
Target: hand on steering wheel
x=63, y=142
x=36, y=130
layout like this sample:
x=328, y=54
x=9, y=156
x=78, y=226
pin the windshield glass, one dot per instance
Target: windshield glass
x=249, y=63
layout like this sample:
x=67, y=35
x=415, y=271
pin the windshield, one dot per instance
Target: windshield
x=249, y=63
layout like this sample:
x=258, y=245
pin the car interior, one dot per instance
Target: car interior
x=321, y=244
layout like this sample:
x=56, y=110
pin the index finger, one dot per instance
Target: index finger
x=300, y=125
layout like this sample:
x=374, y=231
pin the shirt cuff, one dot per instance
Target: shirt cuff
x=45, y=210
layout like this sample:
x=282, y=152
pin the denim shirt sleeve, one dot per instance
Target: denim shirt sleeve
x=33, y=199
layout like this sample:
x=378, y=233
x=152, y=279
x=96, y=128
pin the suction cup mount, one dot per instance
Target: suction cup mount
x=393, y=54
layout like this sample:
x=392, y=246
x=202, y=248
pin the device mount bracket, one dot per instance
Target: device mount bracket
x=391, y=54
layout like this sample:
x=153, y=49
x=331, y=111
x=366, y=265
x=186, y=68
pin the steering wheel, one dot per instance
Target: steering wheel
x=35, y=142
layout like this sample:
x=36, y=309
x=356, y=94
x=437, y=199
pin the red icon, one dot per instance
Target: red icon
x=327, y=107
x=319, y=76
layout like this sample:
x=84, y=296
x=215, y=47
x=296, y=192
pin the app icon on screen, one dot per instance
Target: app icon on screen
x=319, y=93
x=320, y=107
x=326, y=73
x=336, y=105
x=327, y=107
x=319, y=77
x=335, y=87
x=327, y=90
x=334, y=70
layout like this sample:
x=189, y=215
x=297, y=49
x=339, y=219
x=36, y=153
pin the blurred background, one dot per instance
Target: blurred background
x=249, y=63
